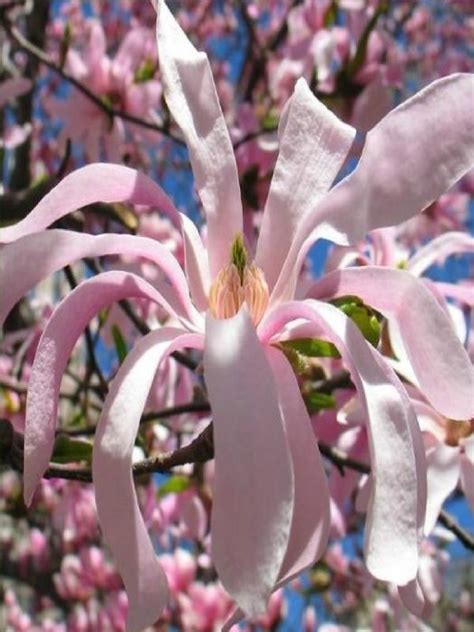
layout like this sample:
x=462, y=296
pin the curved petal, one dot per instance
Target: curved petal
x=313, y=146
x=34, y=257
x=461, y=292
x=397, y=491
x=195, y=263
x=311, y=519
x=401, y=171
x=443, y=475
x=192, y=99
x=438, y=249
x=439, y=362
x=99, y=182
x=61, y=333
x=253, y=492
x=119, y=514
x=413, y=598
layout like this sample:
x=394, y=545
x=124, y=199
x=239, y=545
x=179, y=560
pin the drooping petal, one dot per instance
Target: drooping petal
x=253, y=492
x=401, y=171
x=192, y=99
x=119, y=514
x=438, y=249
x=461, y=292
x=413, y=598
x=311, y=519
x=90, y=184
x=313, y=145
x=195, y=263
x=394, y=513
x=34, y=257
x=439, y=362
x=54, y=348
x=443, y=475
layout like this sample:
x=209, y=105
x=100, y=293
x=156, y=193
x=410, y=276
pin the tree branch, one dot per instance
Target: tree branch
x=200, y=450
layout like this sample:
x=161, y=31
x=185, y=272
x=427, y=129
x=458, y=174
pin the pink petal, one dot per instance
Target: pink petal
x=95, y=50
x=313, y=145
x=192, y=99
x=438, y=359
x=94, y=183
x=413, y=598
x=195, y=263
x=443, y=475
x=55, y=346
x=34, y=257
x=13, y=88
x=253, y=492
x=119, y=515
x=438, y=249
x=462, y=292
x=374, y=102
x=404, y=167
x=467, y=470
x=397, y=502
x=311, y=521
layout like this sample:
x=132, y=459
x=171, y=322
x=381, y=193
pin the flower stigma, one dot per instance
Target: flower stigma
x=238, y=283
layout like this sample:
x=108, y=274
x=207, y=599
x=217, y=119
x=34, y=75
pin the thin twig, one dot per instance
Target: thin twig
x=450, y=523
x=165, y=413
x=199, y=450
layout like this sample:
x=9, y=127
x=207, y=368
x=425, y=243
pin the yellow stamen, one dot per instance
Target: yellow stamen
x=239, y=283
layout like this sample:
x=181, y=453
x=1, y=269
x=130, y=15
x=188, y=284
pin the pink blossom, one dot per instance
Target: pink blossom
x=117, y=81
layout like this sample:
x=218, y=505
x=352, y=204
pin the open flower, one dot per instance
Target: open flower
x=270, y=516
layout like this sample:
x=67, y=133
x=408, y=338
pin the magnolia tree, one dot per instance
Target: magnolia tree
x=271, y=430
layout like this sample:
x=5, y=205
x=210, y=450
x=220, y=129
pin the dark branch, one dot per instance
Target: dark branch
x=199, y=450
x=165, y=413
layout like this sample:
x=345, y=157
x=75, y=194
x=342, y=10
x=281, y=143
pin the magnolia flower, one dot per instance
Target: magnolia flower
x=270, y=516
x=125, y=82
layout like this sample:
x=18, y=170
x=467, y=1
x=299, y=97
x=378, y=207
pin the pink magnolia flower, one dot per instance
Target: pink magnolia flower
x=125, y=82
x=267, y=522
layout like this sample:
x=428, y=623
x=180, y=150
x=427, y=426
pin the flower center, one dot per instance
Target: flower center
x=238, y=283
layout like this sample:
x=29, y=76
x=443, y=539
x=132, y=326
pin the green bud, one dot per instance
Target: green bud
x=238, y=255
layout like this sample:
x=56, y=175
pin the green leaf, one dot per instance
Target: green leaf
x=312, y=347
x=77, y=420
x=119, y=342
x=362, y=315
x=330, y=15
x=67, y=450
x=174, y=485
x=318, y=401
x=349, y=299
x=269, y=122
x=145, y=72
